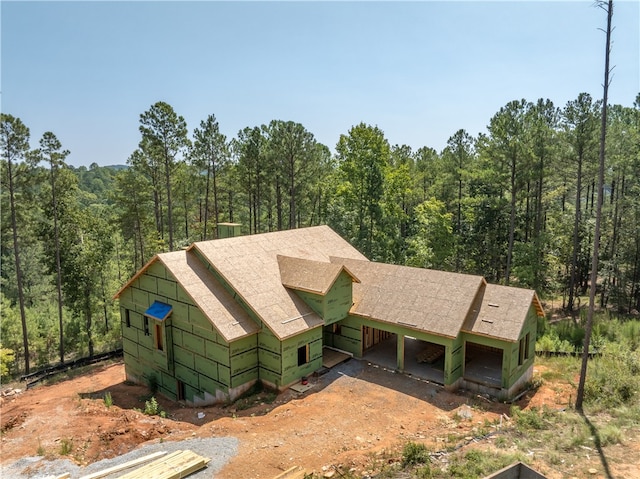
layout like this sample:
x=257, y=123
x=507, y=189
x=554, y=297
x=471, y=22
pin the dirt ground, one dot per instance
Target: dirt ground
x=354, y=413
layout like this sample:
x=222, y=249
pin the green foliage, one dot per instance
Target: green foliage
x=613, y=379
x=7, y=360
x=533, y=418
x=108, y=400
x=152, y=408
x=476, y=463
x=415, y=453
x=432, y=246
x=66, y=446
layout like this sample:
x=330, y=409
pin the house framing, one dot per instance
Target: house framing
x=204, y=324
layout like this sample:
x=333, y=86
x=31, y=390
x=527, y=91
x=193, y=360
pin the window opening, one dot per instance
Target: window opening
x=146, y=326
x=303, y=355
x=127, y=318
x=159, y=337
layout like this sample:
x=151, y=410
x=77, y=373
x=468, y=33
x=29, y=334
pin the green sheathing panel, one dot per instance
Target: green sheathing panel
x=338, y=299
x=290, y=369
x=515, y=371
x=335, y=305
x=270, y=357
x=193, y=352
x=348, y=335
x=244, y=360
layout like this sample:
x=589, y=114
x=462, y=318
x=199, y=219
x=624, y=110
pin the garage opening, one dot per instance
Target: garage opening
x=483, y=364
x=379, y=347
x=424, y=359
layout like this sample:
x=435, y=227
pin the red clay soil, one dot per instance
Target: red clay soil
x=342, y=420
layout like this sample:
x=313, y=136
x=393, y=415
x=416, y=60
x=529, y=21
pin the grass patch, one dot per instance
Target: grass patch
x=415, y=453
x=108, y=400
x=476, y=463
x=66, y=446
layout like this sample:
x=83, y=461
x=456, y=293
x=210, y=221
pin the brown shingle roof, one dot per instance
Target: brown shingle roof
x=422, y=299
x=217, y=305
x=308, y=275
x=503, y=312
x=250, y=265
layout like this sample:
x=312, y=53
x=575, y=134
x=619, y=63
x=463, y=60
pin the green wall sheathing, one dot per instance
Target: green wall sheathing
x=269, y=358
x=350, y=336
x=290, y=369
x=193, y=352
x=515, y=371
x=335, y=305
x=338, y=299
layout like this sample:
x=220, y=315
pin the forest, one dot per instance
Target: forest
x=514, y=204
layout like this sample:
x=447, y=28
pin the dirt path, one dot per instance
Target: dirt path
x=350, y=415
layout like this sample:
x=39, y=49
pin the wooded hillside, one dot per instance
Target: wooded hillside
x=514, y=204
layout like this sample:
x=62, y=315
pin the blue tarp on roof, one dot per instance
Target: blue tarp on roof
x=159, y=311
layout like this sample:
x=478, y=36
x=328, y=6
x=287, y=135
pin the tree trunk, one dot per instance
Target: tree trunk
x=16, y=252
x=512, y=221
x=56, y=233
x=596, y=235
x=576, y=237
x=167, y=180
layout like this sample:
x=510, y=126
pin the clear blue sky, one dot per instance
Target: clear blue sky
x=420, y=70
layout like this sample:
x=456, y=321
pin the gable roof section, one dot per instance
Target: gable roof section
x=503, y=312
x=206, y=292
x=308, y=275
x=249, y=264
x=428, y=300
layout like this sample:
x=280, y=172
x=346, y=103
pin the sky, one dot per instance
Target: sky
x=420, y=71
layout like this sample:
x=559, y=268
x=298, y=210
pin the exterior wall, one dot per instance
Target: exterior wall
x=516, y=370
x=335, y=305
x=211, y=369
x=291, y=371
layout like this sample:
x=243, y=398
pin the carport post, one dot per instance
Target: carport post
x=400, y=352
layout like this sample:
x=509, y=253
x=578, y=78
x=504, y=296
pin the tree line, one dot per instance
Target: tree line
x=514, y=204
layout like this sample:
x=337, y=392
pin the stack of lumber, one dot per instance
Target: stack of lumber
x=296, y=472
x=173, y=466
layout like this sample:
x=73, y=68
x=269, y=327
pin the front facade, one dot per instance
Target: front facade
x=204, y=324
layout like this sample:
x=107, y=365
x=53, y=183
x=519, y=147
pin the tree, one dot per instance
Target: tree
x=596, y=235
x=293, y=149
x=432, y=245
x=164, y=136
x=459, y=155
x=580, y=121
x=51, y=153
x=508, y=146
x=363, y=156
x=251, y=171
x=14, y=142
x=542, y=123
x=209, y=153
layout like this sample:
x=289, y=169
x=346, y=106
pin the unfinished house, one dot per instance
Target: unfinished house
x=204, y=324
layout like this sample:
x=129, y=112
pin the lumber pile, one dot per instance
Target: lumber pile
x=173, y=466
x=296, y=472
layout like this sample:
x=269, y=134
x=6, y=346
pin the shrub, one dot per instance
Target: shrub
x=66, y=446
x=415, y=453
x=613, y=379
x=152, y=408
x=7, y=359
x=108, y=400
